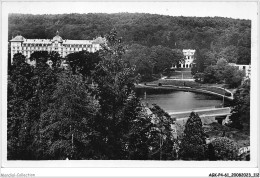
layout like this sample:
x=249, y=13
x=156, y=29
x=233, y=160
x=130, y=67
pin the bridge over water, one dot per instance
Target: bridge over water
x=206, y=114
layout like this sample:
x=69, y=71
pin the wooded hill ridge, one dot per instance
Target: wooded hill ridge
x=226, y=36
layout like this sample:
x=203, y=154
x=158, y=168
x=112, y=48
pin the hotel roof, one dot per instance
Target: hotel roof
x=18, y=38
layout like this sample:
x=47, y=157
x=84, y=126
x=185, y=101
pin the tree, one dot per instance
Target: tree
x=199, y=65
x=164, y=58
x=45, y=76
x=224, y=148
x=244, y=55
x=137, y=125
x=161, y=142
x=230, y=53
x=139, y=57
x=83, y=62
x=55, y=58
x=233, y=76
x=192, y=145
x=220, y=69
x=222, y=72
x=244, y=47
x=241, y=107
x=66, y=127
x=20, y=92
x=20, y=78
x=148, y=61
x=210, y=57
x=124, y=127
x=34, y=86
x=210, y=75
x=41, y=57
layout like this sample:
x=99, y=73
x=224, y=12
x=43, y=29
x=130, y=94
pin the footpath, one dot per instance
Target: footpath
x=184, y=88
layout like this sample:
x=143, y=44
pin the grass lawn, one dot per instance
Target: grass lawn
x=180, y=75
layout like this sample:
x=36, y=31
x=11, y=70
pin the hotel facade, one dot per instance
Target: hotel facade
x=19, y=44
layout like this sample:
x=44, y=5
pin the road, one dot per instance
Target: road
x=202, y=112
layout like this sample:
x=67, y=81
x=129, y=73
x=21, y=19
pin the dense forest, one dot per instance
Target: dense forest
x=212, y=37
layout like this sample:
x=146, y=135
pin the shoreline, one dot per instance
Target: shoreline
x=179, y=88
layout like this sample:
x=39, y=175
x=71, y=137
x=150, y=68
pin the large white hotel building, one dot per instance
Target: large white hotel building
x=19, y=44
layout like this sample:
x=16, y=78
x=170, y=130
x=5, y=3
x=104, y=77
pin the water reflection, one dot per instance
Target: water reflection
x=182, y=101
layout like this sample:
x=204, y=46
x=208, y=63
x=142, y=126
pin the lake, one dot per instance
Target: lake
x=182, y=101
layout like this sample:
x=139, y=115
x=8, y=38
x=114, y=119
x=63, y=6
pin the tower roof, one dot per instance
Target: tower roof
x=99, y=40
x=57, y=37
x=18, y=38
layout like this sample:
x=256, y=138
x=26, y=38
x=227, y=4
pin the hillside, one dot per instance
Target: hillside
x=229, y=38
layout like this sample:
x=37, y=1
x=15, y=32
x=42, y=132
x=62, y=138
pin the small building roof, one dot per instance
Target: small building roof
x=234, y=64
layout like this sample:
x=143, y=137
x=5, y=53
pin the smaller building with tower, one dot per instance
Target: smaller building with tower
x=188, y=60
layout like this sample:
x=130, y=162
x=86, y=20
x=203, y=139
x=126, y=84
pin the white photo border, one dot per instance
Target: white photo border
x=182, y=167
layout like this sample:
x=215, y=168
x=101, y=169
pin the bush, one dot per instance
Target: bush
x=199, y=77
x=227, y=94
x=225, y=149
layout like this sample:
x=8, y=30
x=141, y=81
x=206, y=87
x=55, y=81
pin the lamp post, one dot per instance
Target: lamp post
x=223, y=100
x=224, y=93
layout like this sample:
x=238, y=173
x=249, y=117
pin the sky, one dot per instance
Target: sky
x=237, y=10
